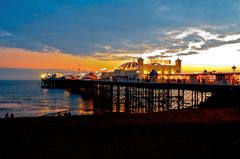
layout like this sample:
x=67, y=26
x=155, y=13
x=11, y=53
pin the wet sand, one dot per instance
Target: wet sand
x=206, y=133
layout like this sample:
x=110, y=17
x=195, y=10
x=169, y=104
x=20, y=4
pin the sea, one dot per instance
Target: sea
x=26, y=98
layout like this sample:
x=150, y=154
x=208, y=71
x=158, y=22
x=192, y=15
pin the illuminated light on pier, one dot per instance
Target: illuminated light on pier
x=43, y=76
x=103, y=69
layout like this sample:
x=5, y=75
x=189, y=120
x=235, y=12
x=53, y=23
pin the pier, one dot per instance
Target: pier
x=142, y=97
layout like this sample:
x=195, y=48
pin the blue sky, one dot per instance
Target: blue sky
x=86, y=27
x=112, y=29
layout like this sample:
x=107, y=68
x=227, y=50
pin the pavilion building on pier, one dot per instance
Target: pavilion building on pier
x=164, y=71
x=138, y=70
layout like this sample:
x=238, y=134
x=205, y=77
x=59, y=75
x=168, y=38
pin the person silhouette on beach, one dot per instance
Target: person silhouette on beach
x=65, y=113
x=69, y=113
x=11, y=116
x=6, y=116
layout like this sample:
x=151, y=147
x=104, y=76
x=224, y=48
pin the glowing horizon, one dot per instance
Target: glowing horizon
x=44, y=60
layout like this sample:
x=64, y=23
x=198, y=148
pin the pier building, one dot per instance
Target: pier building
x=138, y=70
x=164, y=71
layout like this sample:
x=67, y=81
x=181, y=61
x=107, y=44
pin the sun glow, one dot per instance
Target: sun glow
x=20, y=58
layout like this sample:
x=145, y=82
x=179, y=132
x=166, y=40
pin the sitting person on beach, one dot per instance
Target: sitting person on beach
x=65, y=113
x=11, y=116
x=6, y=116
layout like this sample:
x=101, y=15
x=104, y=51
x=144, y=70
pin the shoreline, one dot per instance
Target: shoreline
x=213, y=115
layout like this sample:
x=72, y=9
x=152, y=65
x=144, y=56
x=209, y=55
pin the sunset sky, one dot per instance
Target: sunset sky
x=41, y=35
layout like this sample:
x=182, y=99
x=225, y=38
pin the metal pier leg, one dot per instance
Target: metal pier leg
x=192, y=98
x=168, y=98
x=110, y=97
x=118, y=98
x=178, y=99
x=197, y=98
x=183, y=99
x=126, y=99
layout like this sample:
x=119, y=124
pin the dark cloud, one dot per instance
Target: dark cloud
x=159, y=56
x=216, y=43
x=211, y=44
x=110, y=57
x=194, y=37
x=179, y=45
x=16, y=41
x=188, y=53
x=172, y=51
x=233, y=41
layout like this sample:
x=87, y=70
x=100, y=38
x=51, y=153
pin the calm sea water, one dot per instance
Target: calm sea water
x=26, y=98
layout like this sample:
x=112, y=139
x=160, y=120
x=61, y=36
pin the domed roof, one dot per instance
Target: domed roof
x=128, y=66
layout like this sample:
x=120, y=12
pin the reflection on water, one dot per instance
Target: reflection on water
x=68, y=101
x=27, y=98
x=121, y=108
x=86, y=106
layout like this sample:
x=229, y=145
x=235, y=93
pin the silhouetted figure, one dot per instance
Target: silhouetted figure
x=65, y=113
x=6, y=116
x=11, y=116
x=69, y=113
x=58, y=114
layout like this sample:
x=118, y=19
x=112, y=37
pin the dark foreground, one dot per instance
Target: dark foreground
x=185, y=134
